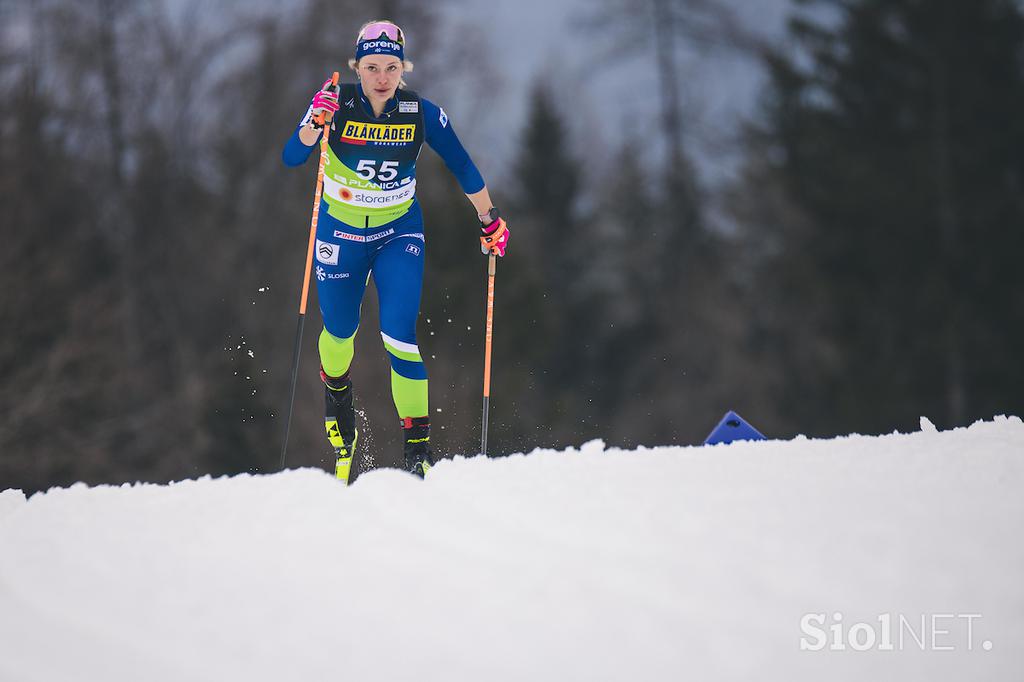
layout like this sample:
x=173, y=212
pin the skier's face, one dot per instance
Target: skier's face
x=380, y=75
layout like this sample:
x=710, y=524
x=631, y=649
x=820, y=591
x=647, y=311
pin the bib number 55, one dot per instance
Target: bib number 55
x=368, y=170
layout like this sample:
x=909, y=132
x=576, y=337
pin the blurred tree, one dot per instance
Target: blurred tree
x=673, y=30
x=615, y=282
x=633, y=313
x=546, y=204
x=124, y=360
x=895, y=138
x=679, y=265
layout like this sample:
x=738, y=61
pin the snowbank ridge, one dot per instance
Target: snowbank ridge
x=588, y=563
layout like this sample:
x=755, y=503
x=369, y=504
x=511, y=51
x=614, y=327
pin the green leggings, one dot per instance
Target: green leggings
x=410, y=395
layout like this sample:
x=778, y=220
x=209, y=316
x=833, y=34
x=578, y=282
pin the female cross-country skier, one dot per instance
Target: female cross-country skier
x=370, y=224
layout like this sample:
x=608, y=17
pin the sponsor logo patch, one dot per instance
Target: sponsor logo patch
x=362, y=237
x=354, y=132
x=413, y=249
x=321, y=274
x=381, y=45
x=327, y=253
x=443, y=118
x=408, y=107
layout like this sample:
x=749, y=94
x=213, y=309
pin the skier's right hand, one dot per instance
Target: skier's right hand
x=325, y=100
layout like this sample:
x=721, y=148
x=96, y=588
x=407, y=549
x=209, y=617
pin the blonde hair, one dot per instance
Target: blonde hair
x=407, y=66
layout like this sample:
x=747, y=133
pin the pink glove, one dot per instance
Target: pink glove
x=495, y=234
x=324, y=101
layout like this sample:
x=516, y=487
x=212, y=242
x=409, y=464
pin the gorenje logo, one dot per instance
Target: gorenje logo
x=381, y=45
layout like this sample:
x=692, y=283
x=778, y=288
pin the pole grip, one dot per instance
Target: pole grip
x=328, y=116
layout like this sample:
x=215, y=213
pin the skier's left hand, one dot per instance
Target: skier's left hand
x=495, y=233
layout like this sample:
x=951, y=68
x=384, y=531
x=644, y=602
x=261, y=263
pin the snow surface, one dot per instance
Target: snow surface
x=592, y=564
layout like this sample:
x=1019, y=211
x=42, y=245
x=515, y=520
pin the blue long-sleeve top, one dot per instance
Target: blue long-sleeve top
x=438, y=133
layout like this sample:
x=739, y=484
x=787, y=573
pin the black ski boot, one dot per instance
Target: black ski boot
x=416, y=436
x=340, y=422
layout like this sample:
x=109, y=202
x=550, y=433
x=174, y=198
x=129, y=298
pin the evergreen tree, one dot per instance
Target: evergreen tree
x=546, y=189
x=900, y=144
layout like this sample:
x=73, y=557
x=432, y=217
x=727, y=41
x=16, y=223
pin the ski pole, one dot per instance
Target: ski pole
x=324, y=120
x=487, y=350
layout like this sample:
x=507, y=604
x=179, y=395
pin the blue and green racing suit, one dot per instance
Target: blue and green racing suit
x=370, y=224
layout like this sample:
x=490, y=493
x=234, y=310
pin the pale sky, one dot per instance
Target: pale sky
x=541, y=38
